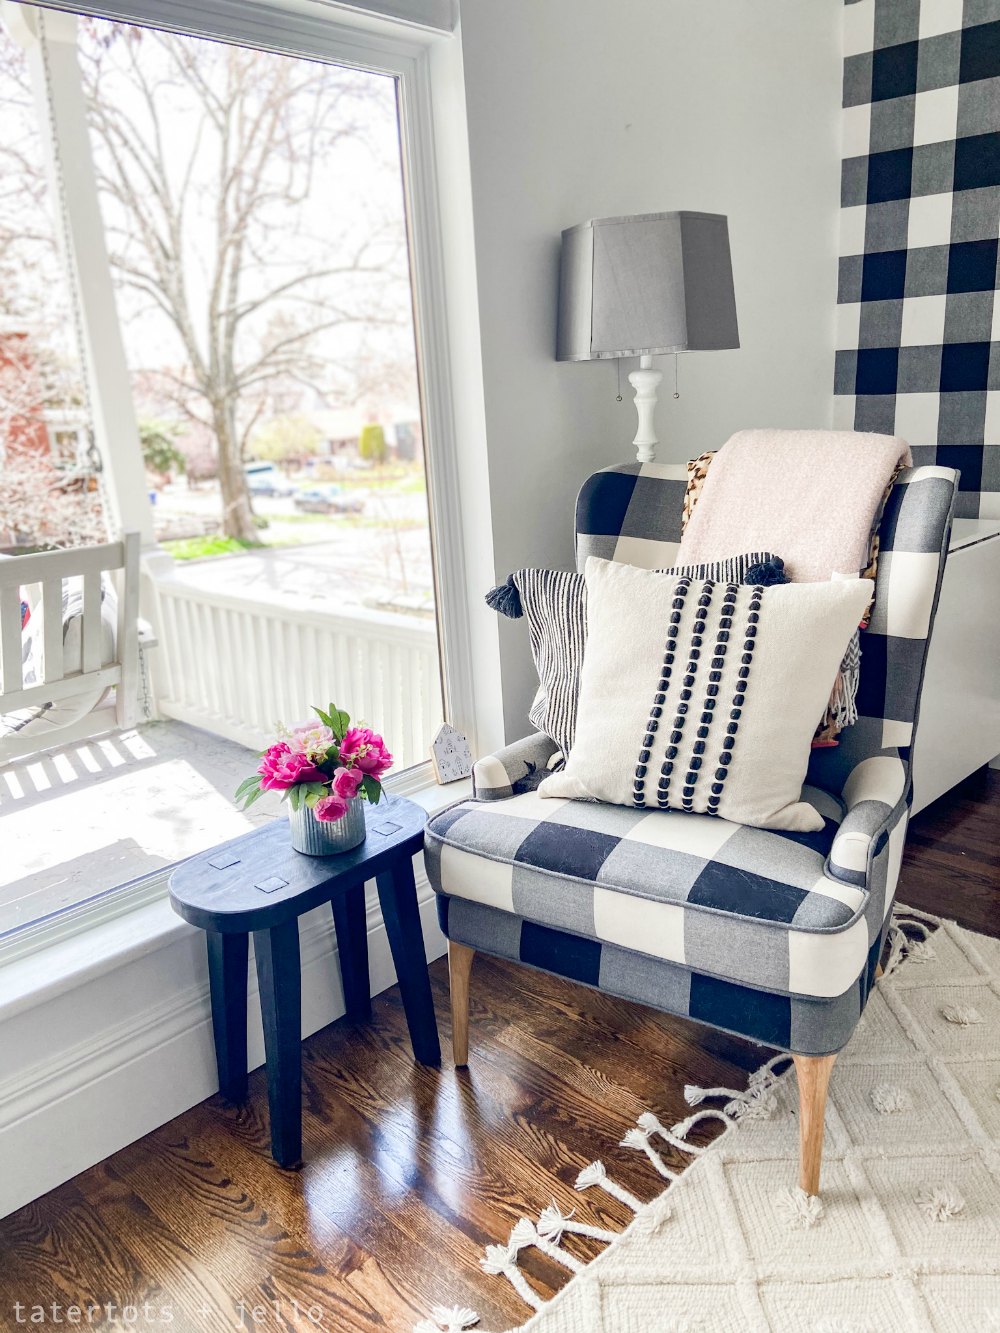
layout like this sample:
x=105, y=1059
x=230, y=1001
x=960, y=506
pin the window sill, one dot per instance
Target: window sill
x=74, y=959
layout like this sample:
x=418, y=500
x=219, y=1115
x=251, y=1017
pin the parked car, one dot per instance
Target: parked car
x=328, y=499
x=265, y=479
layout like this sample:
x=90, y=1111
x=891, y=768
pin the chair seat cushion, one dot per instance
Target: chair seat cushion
x=746, y=904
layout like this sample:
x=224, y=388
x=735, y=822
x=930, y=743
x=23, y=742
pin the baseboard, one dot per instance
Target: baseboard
x=65, y=1113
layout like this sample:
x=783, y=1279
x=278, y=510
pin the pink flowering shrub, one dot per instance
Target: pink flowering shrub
x=325, y=764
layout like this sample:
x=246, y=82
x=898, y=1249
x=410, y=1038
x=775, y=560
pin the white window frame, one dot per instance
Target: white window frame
x=392, y=37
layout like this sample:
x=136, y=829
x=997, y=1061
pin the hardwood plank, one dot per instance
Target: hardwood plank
x=951, y=863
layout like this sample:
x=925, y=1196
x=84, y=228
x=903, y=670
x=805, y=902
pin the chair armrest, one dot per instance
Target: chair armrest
x=876, y=795
x=496, y=776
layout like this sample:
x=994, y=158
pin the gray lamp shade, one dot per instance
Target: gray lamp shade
x=635, y=286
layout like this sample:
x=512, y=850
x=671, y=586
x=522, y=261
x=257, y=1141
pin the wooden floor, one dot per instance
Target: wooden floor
x=410, y=1172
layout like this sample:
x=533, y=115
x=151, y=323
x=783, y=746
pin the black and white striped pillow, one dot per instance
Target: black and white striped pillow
x=554, y=602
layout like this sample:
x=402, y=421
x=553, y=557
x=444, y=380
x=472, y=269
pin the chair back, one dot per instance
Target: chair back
x=633, y=514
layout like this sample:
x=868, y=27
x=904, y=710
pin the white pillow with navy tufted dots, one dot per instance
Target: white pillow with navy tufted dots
x=704, y=697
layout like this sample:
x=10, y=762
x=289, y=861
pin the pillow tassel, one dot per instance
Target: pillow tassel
x=506, y=599
x=843, y=707
x=767, y=573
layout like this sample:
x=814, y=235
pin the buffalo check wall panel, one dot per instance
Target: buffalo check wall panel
x=918, y=332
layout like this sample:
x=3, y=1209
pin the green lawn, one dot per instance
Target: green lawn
x=197, y=548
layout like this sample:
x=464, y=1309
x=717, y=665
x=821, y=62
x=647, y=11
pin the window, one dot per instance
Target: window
x=255, y=218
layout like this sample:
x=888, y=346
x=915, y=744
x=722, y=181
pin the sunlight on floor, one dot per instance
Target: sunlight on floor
x=97, y=814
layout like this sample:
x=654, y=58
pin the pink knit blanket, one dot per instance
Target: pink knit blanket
x=810, y=496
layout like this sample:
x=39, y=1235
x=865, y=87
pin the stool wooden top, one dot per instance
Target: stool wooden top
x=257, y=881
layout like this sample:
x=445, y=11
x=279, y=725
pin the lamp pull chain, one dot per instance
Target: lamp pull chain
x=618, y=363
x=677, y=392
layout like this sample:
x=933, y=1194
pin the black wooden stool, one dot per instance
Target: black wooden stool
x=257, y=883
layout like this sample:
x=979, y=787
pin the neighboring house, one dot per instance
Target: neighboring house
x=29, y=427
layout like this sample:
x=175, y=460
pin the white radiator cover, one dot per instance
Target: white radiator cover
x=959, y=725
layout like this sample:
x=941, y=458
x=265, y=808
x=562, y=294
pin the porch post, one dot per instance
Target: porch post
x=62, y=116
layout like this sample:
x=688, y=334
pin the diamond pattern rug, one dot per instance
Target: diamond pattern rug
x=906, y=1235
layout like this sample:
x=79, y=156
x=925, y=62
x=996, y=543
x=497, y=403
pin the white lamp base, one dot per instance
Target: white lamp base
x=645, y=381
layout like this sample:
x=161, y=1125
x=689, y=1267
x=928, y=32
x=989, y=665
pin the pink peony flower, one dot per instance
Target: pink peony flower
x=346, y=782
x=330, y=808
x=311, y=739
x=281, y=768
x=367, y=750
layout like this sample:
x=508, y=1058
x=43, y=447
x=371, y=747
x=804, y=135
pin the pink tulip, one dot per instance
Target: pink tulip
x=280, y=768
x=346, y=782
x=330, y=808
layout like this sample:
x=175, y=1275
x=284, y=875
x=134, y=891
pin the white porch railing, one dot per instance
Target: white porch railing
x=235, y=666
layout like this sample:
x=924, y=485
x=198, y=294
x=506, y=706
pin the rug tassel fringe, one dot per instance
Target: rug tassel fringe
x=901, y=946
x=501, y=1260
x=639, y=1139
x=751, y=1102
x=677, y=1134
x=450, y=1319
x=768, y=1073
x=526, y=1233
x=552, y=1223
x=595, y=1174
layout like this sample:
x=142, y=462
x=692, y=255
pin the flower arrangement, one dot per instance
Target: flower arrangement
x=322, y=765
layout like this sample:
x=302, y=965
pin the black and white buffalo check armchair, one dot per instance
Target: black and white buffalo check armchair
x=775, y=936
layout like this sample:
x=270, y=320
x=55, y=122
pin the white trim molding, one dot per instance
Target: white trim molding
x=432, y=16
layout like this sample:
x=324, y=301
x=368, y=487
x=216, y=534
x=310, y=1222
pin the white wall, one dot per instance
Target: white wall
x=584, y=108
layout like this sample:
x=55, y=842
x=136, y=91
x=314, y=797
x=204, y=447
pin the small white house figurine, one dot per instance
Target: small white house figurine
x=450, y=755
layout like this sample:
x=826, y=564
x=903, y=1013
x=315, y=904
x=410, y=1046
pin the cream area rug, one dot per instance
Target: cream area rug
x=906, y=1236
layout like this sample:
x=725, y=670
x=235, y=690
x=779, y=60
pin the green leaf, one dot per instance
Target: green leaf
x=323, y=717
x=313, y=792
x=339, y=722
x=372, y=789
x=247, y=785
x=295, y=797
x=332, y=754
x=252, y=796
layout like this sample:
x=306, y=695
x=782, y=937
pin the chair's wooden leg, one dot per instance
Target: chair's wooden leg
x=460, y=958
x=813, y=1073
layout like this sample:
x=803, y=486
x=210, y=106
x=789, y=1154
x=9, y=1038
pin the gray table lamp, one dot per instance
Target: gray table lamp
x=645, y=285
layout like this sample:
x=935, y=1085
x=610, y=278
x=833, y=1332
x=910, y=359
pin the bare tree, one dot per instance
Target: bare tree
x=208, y=221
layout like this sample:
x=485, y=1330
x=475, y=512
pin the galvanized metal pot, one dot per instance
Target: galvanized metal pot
x=321, y=837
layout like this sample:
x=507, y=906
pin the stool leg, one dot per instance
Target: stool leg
x=227, y=978
x=397, y=893
x=351, y=924
x=279, y=978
